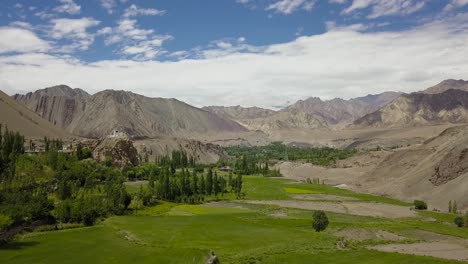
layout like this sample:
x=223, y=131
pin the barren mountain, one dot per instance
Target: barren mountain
x=338, y=110
x=19, y=118
x=446, y=85
x=435, y=171
x=413, y=109
x=59, y=104
x=285, y=120
x=239, y=112
x=139, y=116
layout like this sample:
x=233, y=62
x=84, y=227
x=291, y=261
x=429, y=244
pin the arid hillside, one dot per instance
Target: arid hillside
x=436, y=171
x=19, y=118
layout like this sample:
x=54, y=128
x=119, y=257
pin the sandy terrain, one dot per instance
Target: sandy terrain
x=360, y=138
x=348, y=171
x=354, y=208
x=445, y=249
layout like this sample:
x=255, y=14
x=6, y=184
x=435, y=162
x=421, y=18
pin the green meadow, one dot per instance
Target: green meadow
x=235, y=231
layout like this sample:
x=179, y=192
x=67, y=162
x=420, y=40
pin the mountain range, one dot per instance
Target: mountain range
x=97, y=115
x=100, y=114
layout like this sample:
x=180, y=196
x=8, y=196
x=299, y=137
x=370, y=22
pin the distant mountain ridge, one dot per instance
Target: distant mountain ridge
x=338, y=110
x=139, y=116
x=447, y=85
x=414, y=109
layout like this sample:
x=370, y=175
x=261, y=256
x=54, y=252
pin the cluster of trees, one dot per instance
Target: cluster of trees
x=184, y=185
x=178, y=159
x=318, y=156
x=52, y=144
x=453, y=207
x=54, y=187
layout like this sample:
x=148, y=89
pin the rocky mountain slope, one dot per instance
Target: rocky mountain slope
x=436, y=171
x=284, y=121
x=138, y=116
x=59, y=104
x=239, y=112
x=19, y=118
x=447, y=85
x=337, y=110
x=415, y=109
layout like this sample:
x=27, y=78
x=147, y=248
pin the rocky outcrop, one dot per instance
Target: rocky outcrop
x=452, y=166
x=118, y=150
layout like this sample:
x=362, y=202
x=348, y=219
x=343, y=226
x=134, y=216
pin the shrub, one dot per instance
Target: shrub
x=420, y=205
x=459, y=221
x=466, y=219
x=320, y=221
x=5, y=222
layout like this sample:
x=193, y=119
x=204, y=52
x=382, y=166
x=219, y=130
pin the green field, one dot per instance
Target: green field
x=237, y=232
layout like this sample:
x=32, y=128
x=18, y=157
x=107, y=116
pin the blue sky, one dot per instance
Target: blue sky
x=247, y=52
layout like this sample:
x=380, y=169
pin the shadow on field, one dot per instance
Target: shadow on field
x=18, y=245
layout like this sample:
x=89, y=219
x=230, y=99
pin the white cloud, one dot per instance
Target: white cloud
x=343, y=63
x=108, y=5
x=454, y=4
x=133, y=10
x=68, y=6
x=289, y=6
x=381, y=8
x=143, y=44
x=21, y=24
x=13, y=39
x=337, y=1
x=74, y=30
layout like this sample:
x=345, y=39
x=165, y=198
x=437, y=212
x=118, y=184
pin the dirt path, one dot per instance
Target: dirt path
x=442, y=249
x=354, y=208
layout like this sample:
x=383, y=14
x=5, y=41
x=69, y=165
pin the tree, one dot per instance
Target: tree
x=209, y=182
x=216, y=187
x=238, y=185
x=459, y=221
x=320, y=221
x=202, y=185
x=454, y=207
x=465, y=218
x=450, y=206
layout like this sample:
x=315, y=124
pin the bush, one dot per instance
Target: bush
x=420, y=205
x=459, y=221
x=5, y=222
x=320, y=221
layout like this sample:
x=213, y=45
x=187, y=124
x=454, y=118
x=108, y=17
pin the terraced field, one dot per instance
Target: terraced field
x=265, y=227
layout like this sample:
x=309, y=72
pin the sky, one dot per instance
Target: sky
x=266, y=53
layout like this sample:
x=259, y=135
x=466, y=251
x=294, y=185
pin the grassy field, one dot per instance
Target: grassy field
x=237, y=232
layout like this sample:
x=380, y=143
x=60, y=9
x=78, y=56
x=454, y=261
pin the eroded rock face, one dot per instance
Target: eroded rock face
x=454, y=164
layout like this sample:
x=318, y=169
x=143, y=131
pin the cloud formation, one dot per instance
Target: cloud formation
x=289, y=6
x=342, y=62
x=16, y=39
x=381, y=8
x=68, y=6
